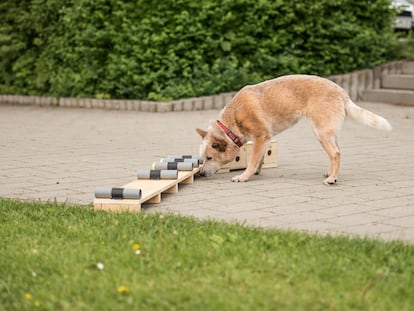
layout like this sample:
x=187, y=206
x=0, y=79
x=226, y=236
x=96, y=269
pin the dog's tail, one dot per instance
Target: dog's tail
x=366, y=117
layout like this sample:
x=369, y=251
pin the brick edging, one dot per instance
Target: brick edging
x=354, y=83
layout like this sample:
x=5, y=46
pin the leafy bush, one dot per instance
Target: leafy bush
x=164, y=50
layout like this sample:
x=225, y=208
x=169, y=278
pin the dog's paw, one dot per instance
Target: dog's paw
x=330, y=181
x=239, y=178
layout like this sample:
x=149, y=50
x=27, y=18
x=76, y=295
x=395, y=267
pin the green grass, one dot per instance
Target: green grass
x=50, y=252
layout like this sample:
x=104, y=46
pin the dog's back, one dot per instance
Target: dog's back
x=286, y=99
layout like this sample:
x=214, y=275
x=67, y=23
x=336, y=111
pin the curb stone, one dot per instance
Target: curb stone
x=354, y=83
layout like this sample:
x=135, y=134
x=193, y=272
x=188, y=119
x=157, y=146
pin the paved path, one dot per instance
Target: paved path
x=63, y=154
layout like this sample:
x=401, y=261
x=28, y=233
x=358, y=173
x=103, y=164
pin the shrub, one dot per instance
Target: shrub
x=165, y=50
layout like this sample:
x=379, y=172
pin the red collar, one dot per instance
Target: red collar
x=230, y=134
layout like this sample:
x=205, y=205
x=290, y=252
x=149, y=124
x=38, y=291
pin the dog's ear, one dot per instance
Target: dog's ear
x=220, y=145
x=201, y=132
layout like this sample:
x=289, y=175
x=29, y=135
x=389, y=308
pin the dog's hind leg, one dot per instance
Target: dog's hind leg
x=327, y=138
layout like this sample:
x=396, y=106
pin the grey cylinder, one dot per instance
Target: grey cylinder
x=157, y=174
x=180, y=166
x=117, y=193
x=187, y=156
x=195, y=162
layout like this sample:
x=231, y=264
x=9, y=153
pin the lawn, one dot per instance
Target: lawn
x=61, y=257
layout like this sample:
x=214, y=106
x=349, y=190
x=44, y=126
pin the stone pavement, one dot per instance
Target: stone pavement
x=63, y=154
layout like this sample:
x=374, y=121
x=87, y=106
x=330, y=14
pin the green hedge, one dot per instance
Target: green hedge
x=171, y=49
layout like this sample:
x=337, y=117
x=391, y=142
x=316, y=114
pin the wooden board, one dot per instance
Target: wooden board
x=151, y=192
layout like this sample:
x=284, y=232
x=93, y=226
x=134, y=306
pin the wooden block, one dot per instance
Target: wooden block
x=189, y=180
x=173, y=189
x=132, y=206
x=224, y=169
x=155, y=199
x=270, y=156
x=240, y=163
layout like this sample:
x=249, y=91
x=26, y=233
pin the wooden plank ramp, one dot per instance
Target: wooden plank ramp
x=152, y=191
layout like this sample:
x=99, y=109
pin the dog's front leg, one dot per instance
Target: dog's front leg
x=259, y=147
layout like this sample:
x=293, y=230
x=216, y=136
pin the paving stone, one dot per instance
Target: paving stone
x=404, y=221
x=65, y=153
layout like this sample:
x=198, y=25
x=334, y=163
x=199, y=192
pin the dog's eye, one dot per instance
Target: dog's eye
x=209, y=158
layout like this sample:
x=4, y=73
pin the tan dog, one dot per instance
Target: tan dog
x=258, y=112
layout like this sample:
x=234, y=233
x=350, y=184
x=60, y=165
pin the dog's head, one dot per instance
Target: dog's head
x=216, y=149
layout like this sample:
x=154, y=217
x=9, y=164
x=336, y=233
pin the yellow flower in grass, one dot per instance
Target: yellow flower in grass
x=135, y=246
x=37, y=303
x=28, y=296
x=123, y=289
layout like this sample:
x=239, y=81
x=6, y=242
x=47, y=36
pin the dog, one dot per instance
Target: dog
x=259, y=112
